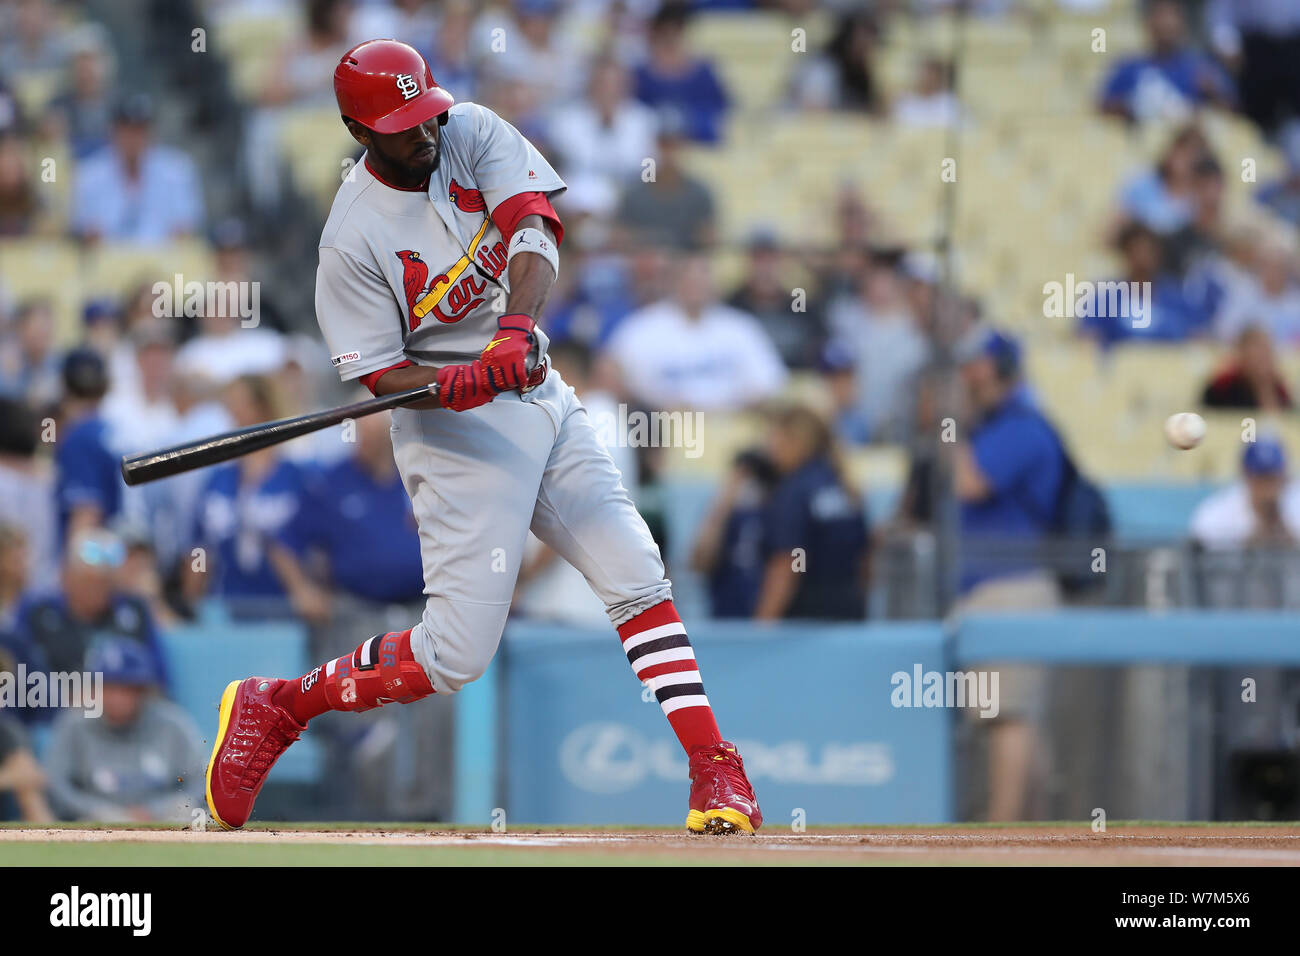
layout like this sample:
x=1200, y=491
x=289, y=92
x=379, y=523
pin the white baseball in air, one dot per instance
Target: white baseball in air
x=1185, y=430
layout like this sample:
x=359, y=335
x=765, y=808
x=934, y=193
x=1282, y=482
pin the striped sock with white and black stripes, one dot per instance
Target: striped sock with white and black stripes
x=662, y=658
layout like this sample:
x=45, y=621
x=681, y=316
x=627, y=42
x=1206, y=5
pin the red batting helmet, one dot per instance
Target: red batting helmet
x=386, y=86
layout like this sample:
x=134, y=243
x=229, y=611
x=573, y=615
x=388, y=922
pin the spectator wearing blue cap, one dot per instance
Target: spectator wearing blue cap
x=101, y=321
x=141, y=760
x=1008, y=474
x=1262, y=510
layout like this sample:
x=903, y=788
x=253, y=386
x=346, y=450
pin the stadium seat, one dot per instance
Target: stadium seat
x=318, y=170
x=754, y=53
x=49, y=269
x=114, y=269
x=251, y=41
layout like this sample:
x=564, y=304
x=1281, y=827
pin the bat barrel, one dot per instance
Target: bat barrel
x=153, y=465
x=138, y=469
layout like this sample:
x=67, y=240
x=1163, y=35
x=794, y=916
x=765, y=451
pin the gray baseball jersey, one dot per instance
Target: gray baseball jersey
x=411, y=276
x=421, y=276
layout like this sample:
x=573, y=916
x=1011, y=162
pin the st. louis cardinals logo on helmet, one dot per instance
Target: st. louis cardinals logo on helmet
x=407, y=86
x=465, y=199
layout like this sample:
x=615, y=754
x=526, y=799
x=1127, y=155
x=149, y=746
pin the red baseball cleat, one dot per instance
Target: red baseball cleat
x=251, y=734
x=722, y=801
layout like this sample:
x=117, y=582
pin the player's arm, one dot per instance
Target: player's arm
x=533, y=264
x=531, y=273
x=407, y=377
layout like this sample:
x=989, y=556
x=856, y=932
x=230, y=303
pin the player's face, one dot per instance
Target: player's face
x=415, y=151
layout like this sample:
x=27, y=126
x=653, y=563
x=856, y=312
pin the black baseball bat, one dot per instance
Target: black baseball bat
x=153, y=465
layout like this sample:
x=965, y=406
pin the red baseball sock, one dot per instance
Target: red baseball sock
x=304, y=698
x=382, y=670
x=662, y=658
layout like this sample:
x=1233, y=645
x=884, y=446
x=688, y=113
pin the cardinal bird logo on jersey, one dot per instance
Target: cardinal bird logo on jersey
x=415, y=281
x=450, y=296
x=466, y=200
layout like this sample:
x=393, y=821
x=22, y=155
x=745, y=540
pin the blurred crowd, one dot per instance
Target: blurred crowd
x=319, y=530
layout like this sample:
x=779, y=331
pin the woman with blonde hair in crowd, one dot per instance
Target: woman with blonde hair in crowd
x=816, y=535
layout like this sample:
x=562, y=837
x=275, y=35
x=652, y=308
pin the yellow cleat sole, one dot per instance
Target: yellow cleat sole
x=722, y=820
x=223, y=721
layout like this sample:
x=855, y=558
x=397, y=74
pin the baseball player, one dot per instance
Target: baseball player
x=438, y=254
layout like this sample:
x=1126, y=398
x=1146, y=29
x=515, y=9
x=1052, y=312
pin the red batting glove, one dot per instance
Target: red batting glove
x=506, y=356
x=462, y=387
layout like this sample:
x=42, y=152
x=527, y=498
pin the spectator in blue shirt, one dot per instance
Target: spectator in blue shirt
x=356, y=520
x=1170, y=78
x=1007, y=476
x=88, y=486
x=135, y=190
x=1007, y=473
x=815, y=541
x=242, y=510
x=675, y=80
x=1170, y=314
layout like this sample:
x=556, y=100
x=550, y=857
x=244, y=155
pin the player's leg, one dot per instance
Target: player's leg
x=472, y=478
x=585, y=514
